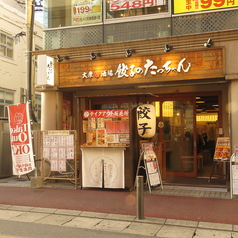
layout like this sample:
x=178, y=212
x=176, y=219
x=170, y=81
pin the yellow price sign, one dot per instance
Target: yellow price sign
x=187, y=6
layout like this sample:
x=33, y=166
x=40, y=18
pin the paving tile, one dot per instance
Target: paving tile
x=44, y=210
x=7, y=215
x=67, y=212
x=83, y=222
x=206, y=233
x=29, y=217
x=235, y=227
x=20, y=208
x=234, y=235
x=55, y=219
x=152, y=220
x=142, y=229
x=94, y=214
x=175, y=232
x=112, y=225
x=121, y=217
x=217, y=226
x=181, y=223
x=4, y=206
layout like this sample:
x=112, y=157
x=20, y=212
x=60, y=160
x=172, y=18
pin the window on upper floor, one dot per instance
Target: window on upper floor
x=129, y=8
x=6, y=45
x=6, y=99
x=80, y=12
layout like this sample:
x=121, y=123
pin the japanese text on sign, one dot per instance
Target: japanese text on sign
x=149, y=67
x=116, y=5
x=146, y=120
x=183, y=6
x=105, y=113
x=86, y=12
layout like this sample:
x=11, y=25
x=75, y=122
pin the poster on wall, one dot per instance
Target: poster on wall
x=222, y=151
x=58, y=147
x=185, y=6
x=112, y=160
x=85, y=12
x=21, y=141
x=117, y=5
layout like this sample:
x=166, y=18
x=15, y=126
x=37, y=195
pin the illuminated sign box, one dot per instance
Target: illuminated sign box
x=185, y=6
x=45, y=70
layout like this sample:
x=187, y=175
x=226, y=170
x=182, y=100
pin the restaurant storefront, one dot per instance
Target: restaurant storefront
x=98, y=98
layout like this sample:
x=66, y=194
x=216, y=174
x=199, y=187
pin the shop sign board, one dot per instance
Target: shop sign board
x=105, y=113
x=146, y=120
x=116, y=5
x=222, y=151
x=85, y=12
x=146, y=69
x=151, y=165
x=45, y=70
x=186, y=6
x=21, y=141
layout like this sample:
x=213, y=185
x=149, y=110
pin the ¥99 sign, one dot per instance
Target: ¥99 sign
x=182, y=6
x=116, y=5
x=205, y=4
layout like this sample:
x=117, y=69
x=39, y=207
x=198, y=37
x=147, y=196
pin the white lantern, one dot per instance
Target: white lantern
x=146, y=120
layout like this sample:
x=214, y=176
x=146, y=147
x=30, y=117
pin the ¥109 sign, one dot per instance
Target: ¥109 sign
x=21, y=141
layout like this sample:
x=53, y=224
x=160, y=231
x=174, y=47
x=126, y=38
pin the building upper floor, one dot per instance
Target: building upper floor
x=72, y=23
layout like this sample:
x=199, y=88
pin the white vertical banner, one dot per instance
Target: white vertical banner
x=21, y=141
x=109, y=161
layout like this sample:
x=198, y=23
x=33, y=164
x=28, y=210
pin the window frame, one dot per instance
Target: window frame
x=7, y=44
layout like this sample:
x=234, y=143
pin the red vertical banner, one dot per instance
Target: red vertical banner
x=21, y=141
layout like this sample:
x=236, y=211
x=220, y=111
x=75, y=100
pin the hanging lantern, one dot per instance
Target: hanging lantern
x=146, y=120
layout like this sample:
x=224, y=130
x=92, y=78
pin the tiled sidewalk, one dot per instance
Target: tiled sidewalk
x=153, y=227
x=206, y=192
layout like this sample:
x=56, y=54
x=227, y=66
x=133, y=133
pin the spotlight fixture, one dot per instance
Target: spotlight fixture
x=59, y=58
x=167, y=48
x=66, y=57
x=94, y=56
x=129, y=53
x=209, y=43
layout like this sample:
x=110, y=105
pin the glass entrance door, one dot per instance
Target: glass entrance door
x=176, y=130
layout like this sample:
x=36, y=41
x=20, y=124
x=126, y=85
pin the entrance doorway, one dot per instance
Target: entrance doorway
x=175, y=120
x=188, y=128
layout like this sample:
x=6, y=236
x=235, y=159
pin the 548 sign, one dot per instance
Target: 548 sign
x=116, y=5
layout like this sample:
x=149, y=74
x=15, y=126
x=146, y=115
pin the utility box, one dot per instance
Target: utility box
x=5, y=149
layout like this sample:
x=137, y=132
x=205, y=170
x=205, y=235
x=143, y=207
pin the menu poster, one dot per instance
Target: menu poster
x=101, y=137
x=86, y=12
x=151, y=165
x=58, y=146
x=112, y=138
x=91, y=137
x=100, y=123
x=110, y=126
x=91, y=123
x=222, y=151
x=117, y=126
x=85, y=126
x=124, y=138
